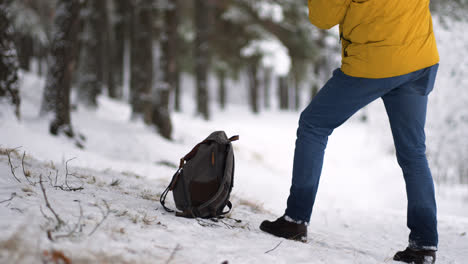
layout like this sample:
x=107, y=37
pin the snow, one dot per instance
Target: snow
x=360, y=212
x=359, y=215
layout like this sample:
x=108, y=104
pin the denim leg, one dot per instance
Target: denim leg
x=338, y=100
x=406, y=108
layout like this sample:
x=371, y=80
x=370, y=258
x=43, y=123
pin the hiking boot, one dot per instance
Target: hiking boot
x=287, y=229
x=416, y=256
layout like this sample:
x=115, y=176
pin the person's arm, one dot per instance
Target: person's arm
x=327, y=13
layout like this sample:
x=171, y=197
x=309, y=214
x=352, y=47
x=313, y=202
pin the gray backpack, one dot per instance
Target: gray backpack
x=203, y=183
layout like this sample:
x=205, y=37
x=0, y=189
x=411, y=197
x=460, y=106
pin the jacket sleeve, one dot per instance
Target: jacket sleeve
x=327, y=13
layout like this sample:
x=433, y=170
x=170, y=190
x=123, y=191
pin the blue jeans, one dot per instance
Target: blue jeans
x=405, y=99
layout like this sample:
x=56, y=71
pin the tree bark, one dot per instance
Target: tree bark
x=63, y=56
x=283, y=93
x=203, y=9
x=253, y=85
x=90, y=66
x=121, y=30
x=9, y=87
x=267, y=87
x=222, y=88
x=172, y=50
x=141, y=60
x=24, y=47
x=106, y=47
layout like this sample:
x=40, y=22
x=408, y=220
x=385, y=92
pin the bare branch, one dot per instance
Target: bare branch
x=60, y=222
x=268, y=251
x=105, y=214
x=66, y=171
x=177, y=248
x=45, y=216
x=12, y=168
x=65, y=186
x=26, y=173
x=13, y=195
x=77, y=225
x=56, y=176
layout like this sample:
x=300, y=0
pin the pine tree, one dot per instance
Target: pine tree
x=89, y=81
x=203, y=31
x=9, y=87
x=63, y=55
x=141, y=58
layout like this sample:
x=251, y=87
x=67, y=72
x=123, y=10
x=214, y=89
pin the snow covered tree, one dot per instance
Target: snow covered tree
x=283, y=92
x=141, y=60
x=90, y=63
x=203, y=31
x=121, y=33
x=254, y=83
x=171, y=49
x=96, y=52
x=63, y=55
x=8, y=61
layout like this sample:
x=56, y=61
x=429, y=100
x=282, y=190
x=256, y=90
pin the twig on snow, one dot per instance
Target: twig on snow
x=12, y=168
x=78, y=224
x=105, y=214
x=60, y=222
x=177, y=248
x=13, y=195
x=268, y=251
x=66, y=186
x=26, y=173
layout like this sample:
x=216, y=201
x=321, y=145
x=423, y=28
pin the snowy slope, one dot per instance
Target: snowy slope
x=359, y=215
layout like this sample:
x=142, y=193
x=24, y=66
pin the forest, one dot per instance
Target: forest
x=137, y=50
x=99, y=100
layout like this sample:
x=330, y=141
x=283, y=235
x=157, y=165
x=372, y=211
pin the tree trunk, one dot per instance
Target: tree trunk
x=89, y=80
x=283, y=92
x=314, y=90
x=222, y=88
x=320, y=64
x=267, y=87
x=24, y=46
x=202, y=54
x=106, y=47
x=141, y=60
x=9, y=87
x=253, y=85
x=168, y=70
x=121, y=34
x=172, y=50
x=297, y=92
x=160, y=116
x=63, y=56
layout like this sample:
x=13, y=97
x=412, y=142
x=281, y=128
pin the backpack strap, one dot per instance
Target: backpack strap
x=229, y=205
x=171, y=186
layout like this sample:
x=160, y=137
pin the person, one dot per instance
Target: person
x=388, y=51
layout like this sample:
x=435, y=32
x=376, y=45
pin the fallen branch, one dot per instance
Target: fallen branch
x=12, y=168
x=26, y=173
x=268, y=251
x=60, y=222
x=105, y=214
x=177, y=248
x=77, y=225
x=13, y=195
x=66, y=186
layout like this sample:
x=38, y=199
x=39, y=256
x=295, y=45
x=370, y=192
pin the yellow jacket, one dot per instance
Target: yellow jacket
x=380, y=38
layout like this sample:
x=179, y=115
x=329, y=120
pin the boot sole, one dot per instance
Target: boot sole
x=298, y=237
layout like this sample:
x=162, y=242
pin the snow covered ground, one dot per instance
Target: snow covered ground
x=114, y=215
x=359, y=215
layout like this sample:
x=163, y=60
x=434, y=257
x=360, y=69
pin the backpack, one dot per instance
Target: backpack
x=203, y=183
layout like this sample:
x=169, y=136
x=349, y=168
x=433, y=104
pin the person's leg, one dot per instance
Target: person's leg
x=406, y=108
x=338, y=100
